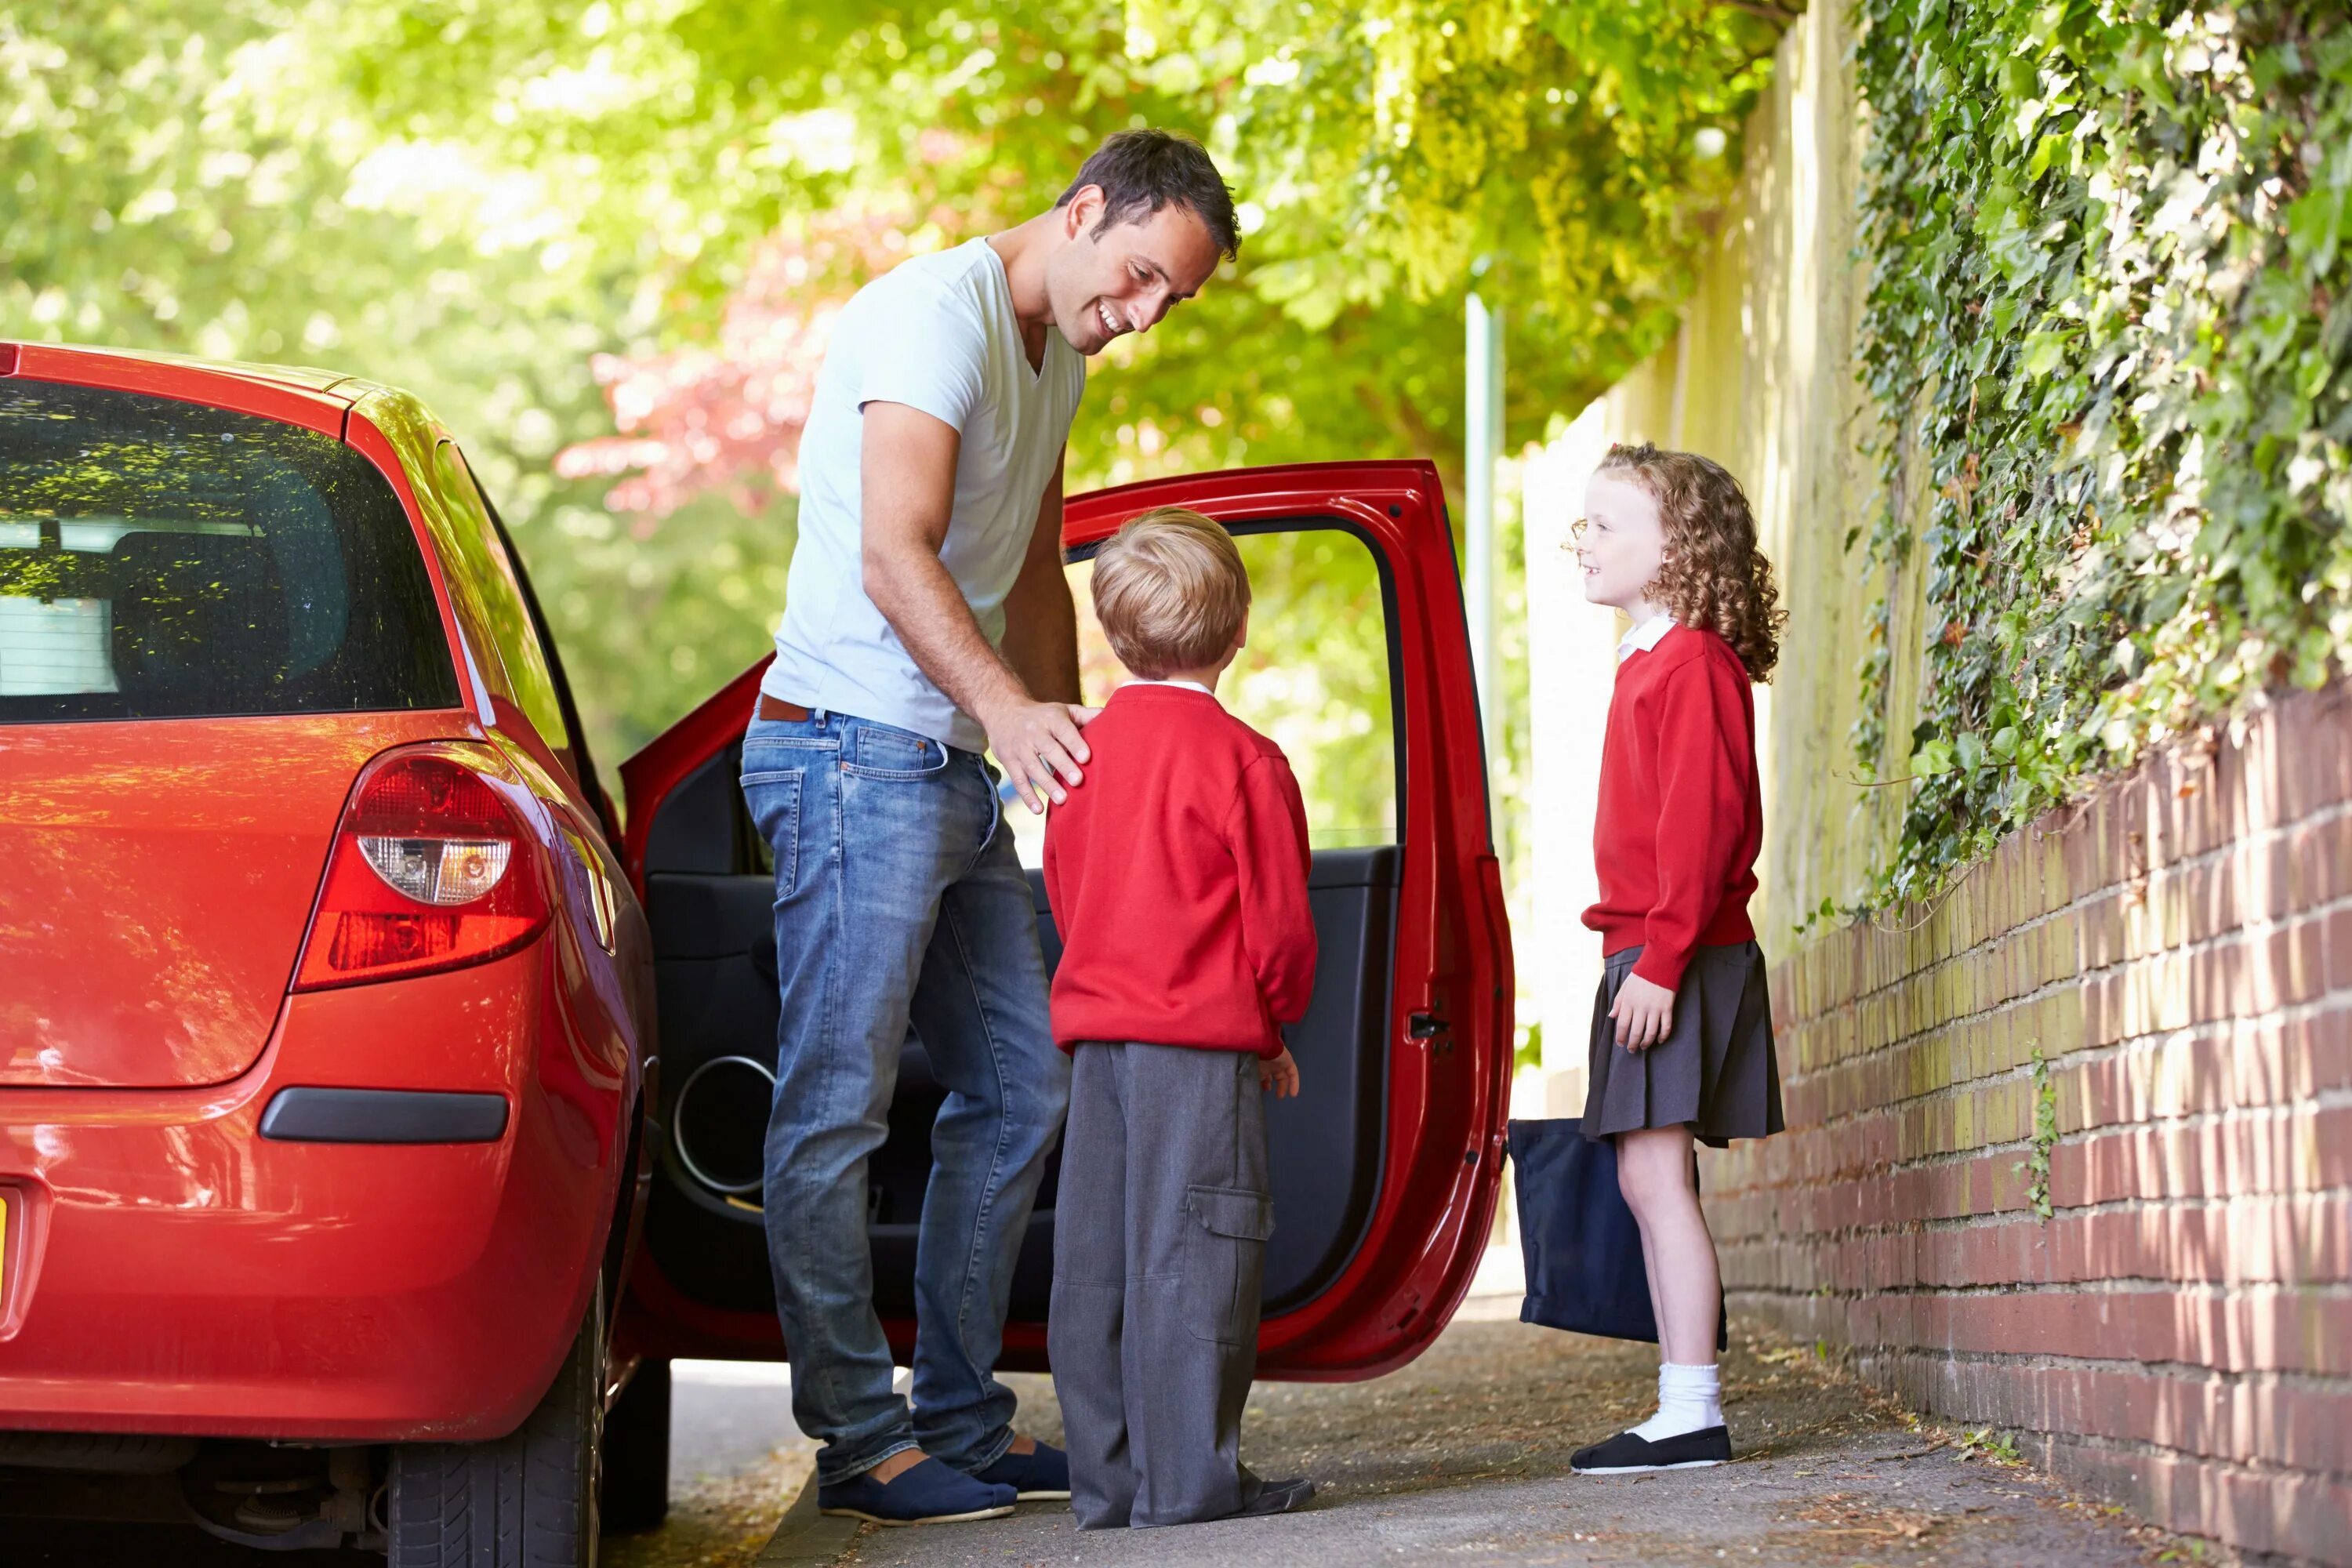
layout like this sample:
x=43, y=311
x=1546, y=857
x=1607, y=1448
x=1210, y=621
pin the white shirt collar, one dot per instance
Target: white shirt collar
x=1187, y=685
x=1645, y=637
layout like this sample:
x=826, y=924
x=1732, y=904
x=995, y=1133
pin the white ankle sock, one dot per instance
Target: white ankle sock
x=1690, y=1399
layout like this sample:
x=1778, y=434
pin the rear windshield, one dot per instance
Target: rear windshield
x=164, y=560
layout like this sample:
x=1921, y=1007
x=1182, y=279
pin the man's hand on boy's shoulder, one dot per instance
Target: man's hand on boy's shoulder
x=1279, y=1076
x=1038, y=746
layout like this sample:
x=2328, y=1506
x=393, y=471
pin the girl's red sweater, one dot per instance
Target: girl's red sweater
x=1177, y=872
x=1681, y=816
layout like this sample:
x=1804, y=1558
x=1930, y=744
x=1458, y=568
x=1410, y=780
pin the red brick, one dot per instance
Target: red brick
x=2242, y=1420
x=2282, y=1150
x=2221, y=1190
x=2298, y=1517
x=2320, y=858
x=2314, y=768
x=2271, y=865
x=2254, y=1329
x=2230, y=1064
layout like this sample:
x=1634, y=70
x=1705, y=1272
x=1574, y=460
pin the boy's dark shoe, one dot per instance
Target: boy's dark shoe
x=926, y=1492
x=1042, y=1474
x=1269, y=1497
x=1627, y=1455
x=1278, y=1497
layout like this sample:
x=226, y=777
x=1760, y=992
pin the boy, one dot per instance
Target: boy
x=1178, y=879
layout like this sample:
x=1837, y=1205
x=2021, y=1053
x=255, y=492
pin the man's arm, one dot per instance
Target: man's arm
x=907, y=464
x=1041, y=621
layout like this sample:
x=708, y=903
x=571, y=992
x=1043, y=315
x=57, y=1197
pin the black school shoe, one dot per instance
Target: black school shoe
x=1627, y=1455
x=1271, y=1496
x=1277, y=1497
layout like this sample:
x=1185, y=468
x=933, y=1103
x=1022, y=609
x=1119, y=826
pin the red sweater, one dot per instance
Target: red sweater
x=1178, y=875
x=1681, y=816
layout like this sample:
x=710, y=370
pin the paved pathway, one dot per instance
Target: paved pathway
x=1462, y=1457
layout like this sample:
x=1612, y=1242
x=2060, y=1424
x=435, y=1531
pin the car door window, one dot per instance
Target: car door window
x=1315, y=678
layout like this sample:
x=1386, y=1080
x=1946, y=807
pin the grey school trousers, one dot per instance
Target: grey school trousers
x=1158, y=1250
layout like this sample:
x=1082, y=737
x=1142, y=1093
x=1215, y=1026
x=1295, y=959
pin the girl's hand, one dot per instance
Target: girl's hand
x=1645, y=1011
x=1279, y=1076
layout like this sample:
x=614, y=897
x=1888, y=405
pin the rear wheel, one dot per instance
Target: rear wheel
x=637, y=1451
x=528, y=1501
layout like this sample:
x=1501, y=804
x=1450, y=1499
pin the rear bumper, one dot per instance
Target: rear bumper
x=172, y=1268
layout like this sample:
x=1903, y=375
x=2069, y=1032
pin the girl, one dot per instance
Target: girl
x=1682, y=1032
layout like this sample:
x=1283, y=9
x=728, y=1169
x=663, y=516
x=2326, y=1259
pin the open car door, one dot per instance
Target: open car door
x=1385, y=1169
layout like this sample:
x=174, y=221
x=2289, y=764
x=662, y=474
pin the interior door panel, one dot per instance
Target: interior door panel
x=1387, y=1167
x=709, y=901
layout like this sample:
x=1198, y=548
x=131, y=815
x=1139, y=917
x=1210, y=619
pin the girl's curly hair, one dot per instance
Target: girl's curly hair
x=1713, y=575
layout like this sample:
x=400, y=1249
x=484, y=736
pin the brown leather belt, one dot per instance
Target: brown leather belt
x=776, y=711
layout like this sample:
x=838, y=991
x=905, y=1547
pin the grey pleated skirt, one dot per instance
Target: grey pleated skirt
x=1716, y=1070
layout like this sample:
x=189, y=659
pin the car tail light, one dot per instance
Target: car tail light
x=433, y=868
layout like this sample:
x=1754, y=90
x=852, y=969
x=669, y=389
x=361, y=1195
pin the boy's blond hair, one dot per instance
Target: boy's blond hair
x=1171, y=592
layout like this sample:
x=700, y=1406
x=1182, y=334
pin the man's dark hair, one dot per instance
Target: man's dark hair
x=1142, y=171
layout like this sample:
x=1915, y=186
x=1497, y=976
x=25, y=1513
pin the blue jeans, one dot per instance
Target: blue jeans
x=898, y=902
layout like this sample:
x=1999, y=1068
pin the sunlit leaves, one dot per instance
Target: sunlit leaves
x=2107, y=321
x=517, y=208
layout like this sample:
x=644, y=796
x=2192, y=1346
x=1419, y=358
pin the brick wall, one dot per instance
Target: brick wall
x=2178, y=1334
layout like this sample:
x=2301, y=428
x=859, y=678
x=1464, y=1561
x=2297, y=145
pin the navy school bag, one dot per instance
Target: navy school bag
x=1581, y=1246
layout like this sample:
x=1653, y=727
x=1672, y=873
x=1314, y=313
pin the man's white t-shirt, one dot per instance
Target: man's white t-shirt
x=937, y=333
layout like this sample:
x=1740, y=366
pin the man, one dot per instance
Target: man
x=927, y=617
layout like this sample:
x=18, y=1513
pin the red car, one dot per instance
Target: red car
x=330, y=984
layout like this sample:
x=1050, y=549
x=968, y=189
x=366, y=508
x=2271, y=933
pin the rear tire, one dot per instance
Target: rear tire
x=636, y=1452
x=528, y=1501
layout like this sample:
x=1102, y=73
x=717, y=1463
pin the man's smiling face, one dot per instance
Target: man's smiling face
x=1128, y=278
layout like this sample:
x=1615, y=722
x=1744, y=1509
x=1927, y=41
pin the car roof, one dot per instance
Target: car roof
x=27, y=358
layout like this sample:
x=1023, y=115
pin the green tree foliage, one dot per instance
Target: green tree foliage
x=1383, y=153
x=199, y=180
x=477, y=200
x=2111, y=243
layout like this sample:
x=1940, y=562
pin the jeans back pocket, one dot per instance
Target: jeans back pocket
x=773, y=796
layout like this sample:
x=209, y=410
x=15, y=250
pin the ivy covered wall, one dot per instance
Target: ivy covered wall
x=2030, y=332
x=2027, y=334
x=2108, y=246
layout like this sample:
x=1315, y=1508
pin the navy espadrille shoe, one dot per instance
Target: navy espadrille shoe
x=1042, y=1474
x=924, y=1493
x=1627, y=1455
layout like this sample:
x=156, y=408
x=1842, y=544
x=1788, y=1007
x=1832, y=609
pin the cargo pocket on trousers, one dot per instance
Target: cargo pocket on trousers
x=1224, y=1260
